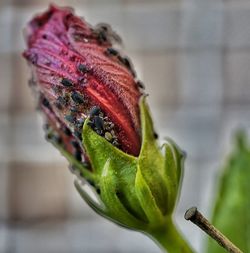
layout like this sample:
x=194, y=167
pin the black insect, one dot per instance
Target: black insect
x=75, y=144
x=125, y=61
x=82, y=68
x=57, y=139
x=102, y=36
x=74, y=110
x=111, y=51
x=70, y=118
x=94, y=111
x=140, y=84
x=77, y=98
x=45, y=103
x=156, y=136
x=79, y=123
x=66, y=82
x=91, y=182
x=106, y=34
x=78, y=155
x=66, y=131
x=78, y=135
x=98, y=123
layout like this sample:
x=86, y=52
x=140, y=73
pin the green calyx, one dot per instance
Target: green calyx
x=136, y=192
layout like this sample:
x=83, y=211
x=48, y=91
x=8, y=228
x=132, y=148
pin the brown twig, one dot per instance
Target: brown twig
x=198, y=219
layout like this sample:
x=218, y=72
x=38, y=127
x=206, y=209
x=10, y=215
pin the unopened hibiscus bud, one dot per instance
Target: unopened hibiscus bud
x=75, y=70
x=97, y=116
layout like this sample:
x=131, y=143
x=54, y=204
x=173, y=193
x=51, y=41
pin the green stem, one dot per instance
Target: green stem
x=170, y=239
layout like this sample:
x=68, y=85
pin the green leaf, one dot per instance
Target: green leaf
x=232, y=210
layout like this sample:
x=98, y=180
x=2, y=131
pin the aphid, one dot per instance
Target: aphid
x=140, y=84
x=45, y=102
x=102, y=36
x=61, y=102
x=77, y=98
x=94, y=111
x=75, y=144
x=74, y=109
x=66, y=131
x=80, y=122
x=125, y=61
x=78, y=135
x=78, y=155
x=115, y=143
x=156, y=135
x=70, y=118
x=57, y=139
x=66, y=82
x=98, y=191
x=82, y=68
x=108, y=136
x=104, y=27
x=98, y=123
x=111, y=51
x=58, y=105
x=90, y=182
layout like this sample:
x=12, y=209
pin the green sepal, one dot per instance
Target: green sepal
x=137, y=192
x=231, y=214
x=173, y=166
x=121, y=169
x=147, y=201
x=110, y=188
x=151, y=160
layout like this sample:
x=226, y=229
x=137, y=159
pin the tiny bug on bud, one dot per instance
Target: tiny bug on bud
x=82, y=68
x=77, y=98
x=66, y=82
x=70, y=118
x=111, y=51
x=78, y=156
x=94, y=111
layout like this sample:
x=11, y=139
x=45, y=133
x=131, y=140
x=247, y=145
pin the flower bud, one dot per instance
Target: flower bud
x=98, y=119
x=78, y=73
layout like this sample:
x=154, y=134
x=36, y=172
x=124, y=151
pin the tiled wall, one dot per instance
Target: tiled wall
x=194, y=58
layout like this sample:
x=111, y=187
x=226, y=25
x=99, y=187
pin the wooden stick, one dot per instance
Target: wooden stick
x=198, y=219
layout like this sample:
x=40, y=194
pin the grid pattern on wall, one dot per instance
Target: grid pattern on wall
x=194, y=58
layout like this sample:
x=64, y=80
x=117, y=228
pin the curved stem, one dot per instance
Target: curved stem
x=170, y=239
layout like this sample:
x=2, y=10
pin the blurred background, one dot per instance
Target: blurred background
x=194, y=58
